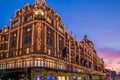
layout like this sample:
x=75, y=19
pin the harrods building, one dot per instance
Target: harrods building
x=37, y=46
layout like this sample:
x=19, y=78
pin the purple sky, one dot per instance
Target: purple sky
x=99, y=19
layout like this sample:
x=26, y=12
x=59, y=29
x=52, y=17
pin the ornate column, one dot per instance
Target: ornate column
x=38, y=30
x=45, y=36
x=21, y=34
x=21, y=40
x=55, y=45
x=8, y=44
x=33, y=36
x=69, y=48
x=18, y=38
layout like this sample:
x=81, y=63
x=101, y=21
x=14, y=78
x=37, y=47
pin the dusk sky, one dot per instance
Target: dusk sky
x=99, y=19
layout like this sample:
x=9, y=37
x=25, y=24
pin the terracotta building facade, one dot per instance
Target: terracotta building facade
x=37, y=46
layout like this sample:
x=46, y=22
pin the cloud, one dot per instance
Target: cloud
x=109, y=53
x=118, y=62
x=108, y=64
x=111, y=58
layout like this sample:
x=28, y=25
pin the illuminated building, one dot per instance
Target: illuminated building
x=36, y=46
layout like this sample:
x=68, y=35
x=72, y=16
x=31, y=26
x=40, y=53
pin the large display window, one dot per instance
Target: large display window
x=50, y=77
x=73, y=78
x=39, y=77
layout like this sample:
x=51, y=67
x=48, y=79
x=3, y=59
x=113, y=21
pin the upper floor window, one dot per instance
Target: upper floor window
x=3, y=55
x=49, y=41
x=3, y=46
x=28, y=18
x=4, y=38
x=49, y=31
x=49, y=19
x=13, y=53
x=28, y=39
x=13, y=44
x=28, y=29
x=14, y=24
x=14, y=35
x=60, y=38
x=61, y=43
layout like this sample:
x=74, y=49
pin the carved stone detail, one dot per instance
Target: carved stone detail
x=39, y=37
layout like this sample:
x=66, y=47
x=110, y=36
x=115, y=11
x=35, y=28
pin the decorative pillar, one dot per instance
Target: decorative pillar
x=8, y=45
x=33, y=36
x=38, y=28
x=45, y=36
x=55, y=45
x=18, y=38
x=69, y=48
x=21, y=41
